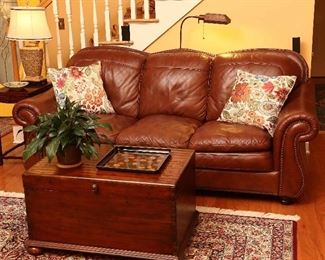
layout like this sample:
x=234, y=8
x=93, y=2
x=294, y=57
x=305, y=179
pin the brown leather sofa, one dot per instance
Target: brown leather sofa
x=173, y=99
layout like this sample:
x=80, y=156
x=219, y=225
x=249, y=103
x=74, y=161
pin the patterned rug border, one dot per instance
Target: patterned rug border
x=244, y=213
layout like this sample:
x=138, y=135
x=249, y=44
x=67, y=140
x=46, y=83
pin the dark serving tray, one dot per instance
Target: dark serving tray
x=134, y=159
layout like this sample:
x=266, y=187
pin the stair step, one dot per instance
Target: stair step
x=124, y=43
x=169, y=12
x=150, y=20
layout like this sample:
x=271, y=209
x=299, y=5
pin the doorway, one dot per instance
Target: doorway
x=318, y=54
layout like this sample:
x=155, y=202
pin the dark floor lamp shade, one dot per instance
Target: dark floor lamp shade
x=206, y=18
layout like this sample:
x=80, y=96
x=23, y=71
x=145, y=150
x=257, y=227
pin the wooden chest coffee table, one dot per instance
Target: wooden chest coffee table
x=108, y=212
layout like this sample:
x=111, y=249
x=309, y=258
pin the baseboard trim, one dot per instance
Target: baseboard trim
x=247, y=213
x=12, y=194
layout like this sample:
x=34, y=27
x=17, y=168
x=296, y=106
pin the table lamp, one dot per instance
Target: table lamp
x=29, y=24
x=206, y=18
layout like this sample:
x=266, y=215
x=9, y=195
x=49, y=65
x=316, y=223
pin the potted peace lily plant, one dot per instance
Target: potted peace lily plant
x=67, y=134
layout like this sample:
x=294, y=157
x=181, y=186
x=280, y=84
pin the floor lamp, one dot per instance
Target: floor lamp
x=206, y=18
x=29, y=24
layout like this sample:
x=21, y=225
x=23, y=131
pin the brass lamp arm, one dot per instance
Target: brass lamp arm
x=181, y=28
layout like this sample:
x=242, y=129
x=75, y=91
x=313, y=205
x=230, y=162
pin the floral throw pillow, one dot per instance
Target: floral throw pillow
x=82, y=85
x=257, y=100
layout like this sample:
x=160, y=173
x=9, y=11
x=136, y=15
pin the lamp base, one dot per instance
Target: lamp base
x=32, y=60
x=34, y=78
x=36, y=83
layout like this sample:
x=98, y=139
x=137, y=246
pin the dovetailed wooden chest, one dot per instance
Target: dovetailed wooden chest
x=116, y=213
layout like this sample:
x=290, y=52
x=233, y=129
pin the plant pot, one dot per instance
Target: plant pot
x=70, y=157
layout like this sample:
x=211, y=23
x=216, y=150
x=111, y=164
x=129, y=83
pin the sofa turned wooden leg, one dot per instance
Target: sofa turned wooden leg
x=286, y=200
x=34, y=250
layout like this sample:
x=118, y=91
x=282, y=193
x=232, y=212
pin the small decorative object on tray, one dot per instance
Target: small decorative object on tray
x=134, y=159
x=15, y=85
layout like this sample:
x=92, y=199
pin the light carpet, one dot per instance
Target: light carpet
x=220, y=234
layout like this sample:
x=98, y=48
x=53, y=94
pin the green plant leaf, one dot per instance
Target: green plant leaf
x=88, y=150
x=105, y=139
x=30, y=128
x=69, y=125
x=52, y=133
x=93, y=136
x=105, y=125
x=52, y=148
x=79, y=132
x=41, y=132
x=32, y=148
x=65, y=140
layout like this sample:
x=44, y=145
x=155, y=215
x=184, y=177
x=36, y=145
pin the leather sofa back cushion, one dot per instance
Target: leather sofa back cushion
x=121, y=73
x=175, y=83
x=259, y=61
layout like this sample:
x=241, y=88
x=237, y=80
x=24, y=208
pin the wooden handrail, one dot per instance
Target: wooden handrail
x=45, y=3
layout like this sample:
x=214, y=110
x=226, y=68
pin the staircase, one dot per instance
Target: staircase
x=147, y=20
x=168, y=12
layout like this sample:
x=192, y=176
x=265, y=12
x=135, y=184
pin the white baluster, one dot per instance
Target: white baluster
x=82, y=26
x=95, y=35
x=120, y=18
x=133, y=9
x=68, y=11
x=58, y=39
x=146, y=9
x=107, y=22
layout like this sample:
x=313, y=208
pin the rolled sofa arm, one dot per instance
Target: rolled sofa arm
x=27, y=111
x=297, y=124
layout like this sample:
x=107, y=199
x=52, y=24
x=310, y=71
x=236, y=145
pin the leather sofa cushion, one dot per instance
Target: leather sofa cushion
x=259, y=61
x=121, y=74
x=159, y=131
x=215, y=136
x=117, y=122
x=175, y=83
x=259, y=162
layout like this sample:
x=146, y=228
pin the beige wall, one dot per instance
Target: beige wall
x=255, y=24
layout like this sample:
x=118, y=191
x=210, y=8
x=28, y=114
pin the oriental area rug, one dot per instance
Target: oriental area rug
x=219, y=234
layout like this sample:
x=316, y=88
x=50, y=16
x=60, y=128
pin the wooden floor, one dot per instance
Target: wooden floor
x=311, y=207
